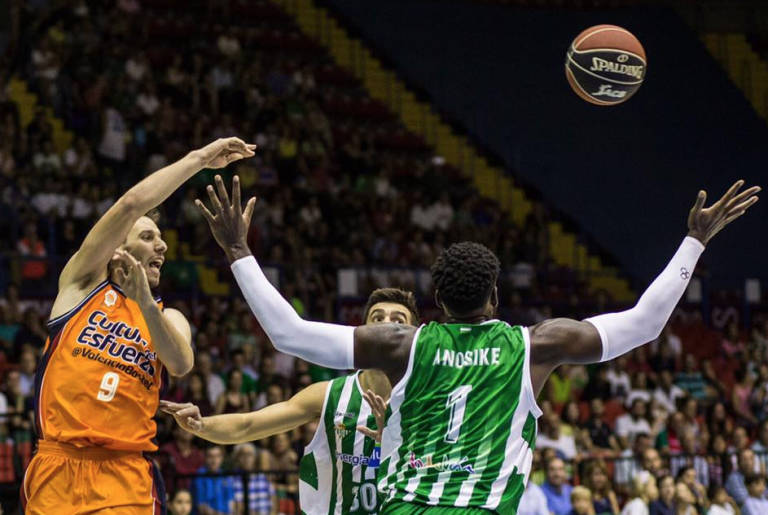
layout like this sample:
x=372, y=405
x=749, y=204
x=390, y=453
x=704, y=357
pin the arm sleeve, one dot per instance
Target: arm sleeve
x=328, y=345
x=624, y=331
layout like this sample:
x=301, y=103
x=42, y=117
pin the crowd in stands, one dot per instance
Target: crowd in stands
x=663, y=430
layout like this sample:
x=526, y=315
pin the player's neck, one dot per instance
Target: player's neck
x=377, y=381
x=469, y=319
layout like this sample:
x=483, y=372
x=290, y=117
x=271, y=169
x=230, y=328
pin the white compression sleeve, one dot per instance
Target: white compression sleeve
x=328, y=345
x=622, y=332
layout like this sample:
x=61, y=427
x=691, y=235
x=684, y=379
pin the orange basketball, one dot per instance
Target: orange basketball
x=605, y=65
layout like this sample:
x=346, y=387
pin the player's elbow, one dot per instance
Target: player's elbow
x=130, y=203
x=180, y=366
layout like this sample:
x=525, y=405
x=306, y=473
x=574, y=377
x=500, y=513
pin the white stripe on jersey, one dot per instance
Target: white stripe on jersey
x=338, y=418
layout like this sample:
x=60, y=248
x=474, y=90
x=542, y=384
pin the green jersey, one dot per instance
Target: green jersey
x=338, y=471
x=463, y=423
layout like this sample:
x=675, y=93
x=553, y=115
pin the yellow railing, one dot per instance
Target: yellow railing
x=744, y=67
x=421, y=118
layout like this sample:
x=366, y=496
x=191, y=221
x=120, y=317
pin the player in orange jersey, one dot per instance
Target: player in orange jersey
x=110, y=345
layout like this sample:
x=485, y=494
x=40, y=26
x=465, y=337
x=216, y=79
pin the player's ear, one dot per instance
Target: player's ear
x=495, y=297
x=438, y=302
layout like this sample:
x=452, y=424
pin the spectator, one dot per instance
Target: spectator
x=181, y=503
x=581, y=500
x=653, y=463
x=665, y=504
x=604, y=499
x=691, y=380
x=556, y=488
x=600, y=433
x=213, y=495
x=722, y=503
x=180, y=456
x=197, y=394
x=756, y=503
x=629, y=425
x=618, y=377
x=261, y=493
x=685, y=501
x=667, y=393
x=631, y=461
x=213, y=382
x=233, y=400
x=718, y=420
x=735, y=485
x=687, y=476
x=690, y=458
x=740, y=398
x=761, y=445
x=644, y=492
x=533, y=501
x=552, y=435
x=28, y=365
x=30, y=247
x=717, y=459
x=283, y=457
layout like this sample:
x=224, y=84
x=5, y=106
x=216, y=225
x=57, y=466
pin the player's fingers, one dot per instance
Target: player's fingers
x=370, y=433
x=236, y=195
x=234, y=156
x=194, y=424
x=248, y=214
x=190, y=411
x=236, y=144
x=222, y=190
x=700, y=199
x=215, y=202
x=742, y=196
x=743, y=206
x=204, y=210
x=731, y=192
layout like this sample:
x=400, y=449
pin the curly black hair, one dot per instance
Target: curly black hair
x=464, y=275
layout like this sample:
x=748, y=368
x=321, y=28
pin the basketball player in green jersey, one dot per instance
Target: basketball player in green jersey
x=463, y=413
x=338, y=470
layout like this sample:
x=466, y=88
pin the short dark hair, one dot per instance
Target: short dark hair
x=464, y=275
x=154, y=215
x=396, y=296
x=752, y=479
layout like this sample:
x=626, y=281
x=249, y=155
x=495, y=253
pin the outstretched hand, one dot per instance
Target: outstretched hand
x=704, y=223
x=379, y=408
x=132, y=278
x=228, y=222
x=224, y=151
x=187, y=415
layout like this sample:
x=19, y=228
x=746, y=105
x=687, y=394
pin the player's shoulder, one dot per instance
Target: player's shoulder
x=72, y=297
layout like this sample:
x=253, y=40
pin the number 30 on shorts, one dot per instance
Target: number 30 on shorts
x=108, y=386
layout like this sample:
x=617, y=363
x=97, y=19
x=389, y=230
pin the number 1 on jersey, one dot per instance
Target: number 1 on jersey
x=457, y=403
x=108, y=386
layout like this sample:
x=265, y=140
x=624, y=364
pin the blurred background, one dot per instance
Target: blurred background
x=386, y=131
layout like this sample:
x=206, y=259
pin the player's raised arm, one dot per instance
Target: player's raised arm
x=382, y=346
x=608, y=336
x=305, y=406
x=89, y=264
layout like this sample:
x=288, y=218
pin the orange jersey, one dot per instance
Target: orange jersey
x=99, y=380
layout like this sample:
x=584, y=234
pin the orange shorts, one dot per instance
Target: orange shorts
x=67, y=480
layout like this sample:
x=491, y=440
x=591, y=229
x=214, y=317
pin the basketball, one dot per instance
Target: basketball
x=605, y=65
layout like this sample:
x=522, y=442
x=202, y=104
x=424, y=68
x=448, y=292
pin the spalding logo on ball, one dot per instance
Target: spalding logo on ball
x=605, y=65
